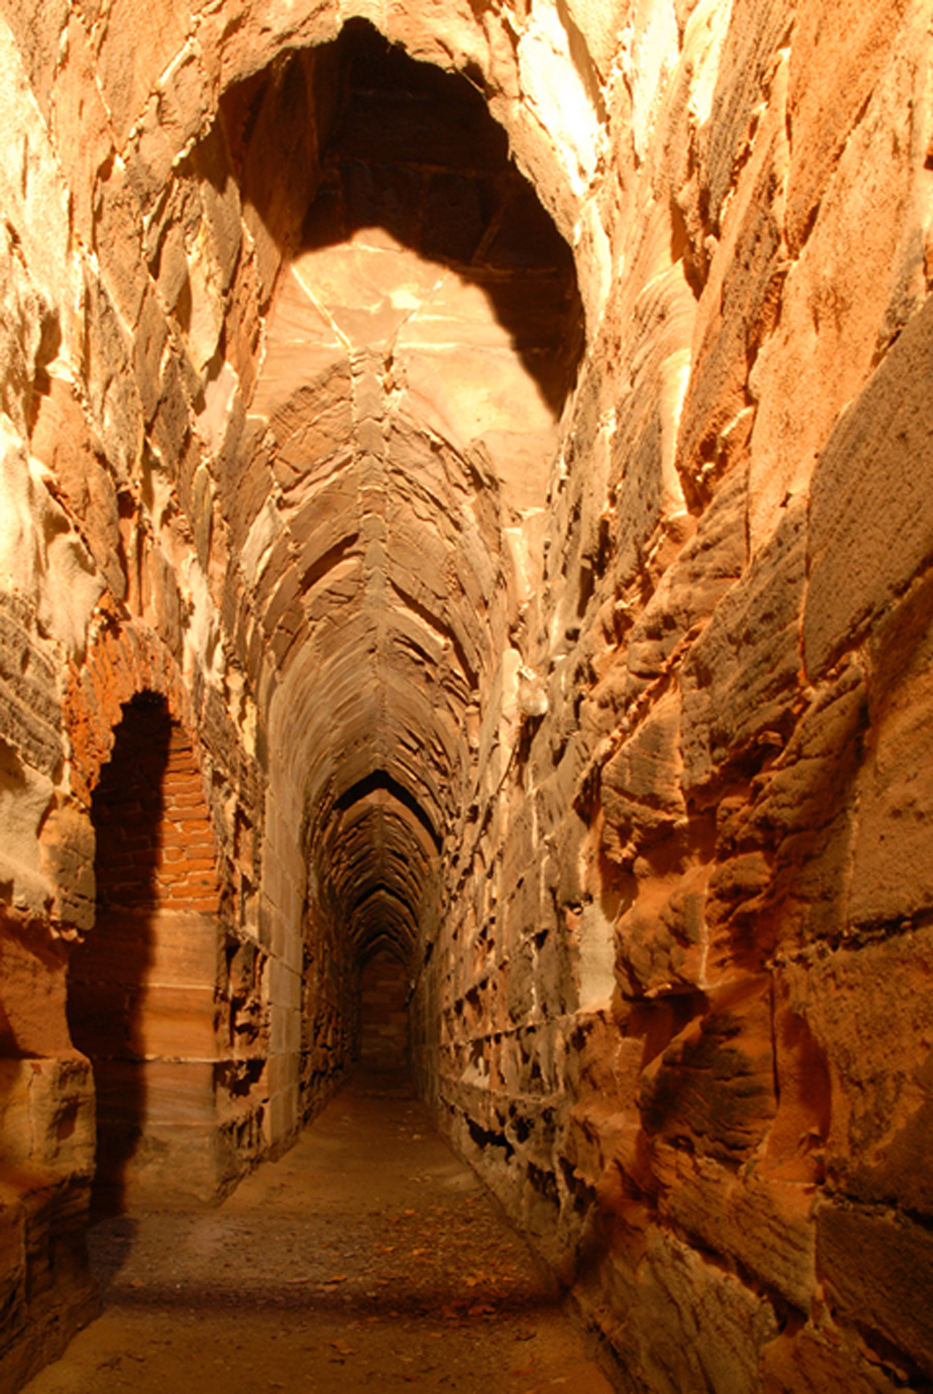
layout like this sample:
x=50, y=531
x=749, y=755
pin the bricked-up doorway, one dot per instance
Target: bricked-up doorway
x=142, y=987
x=384, y=992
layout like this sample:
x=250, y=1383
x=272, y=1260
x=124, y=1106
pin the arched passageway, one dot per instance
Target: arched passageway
x=388, y=487
x=587, y=674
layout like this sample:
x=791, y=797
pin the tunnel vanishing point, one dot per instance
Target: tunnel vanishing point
x=466, y=524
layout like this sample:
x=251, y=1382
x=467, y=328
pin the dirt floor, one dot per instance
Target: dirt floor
x=368, y=1257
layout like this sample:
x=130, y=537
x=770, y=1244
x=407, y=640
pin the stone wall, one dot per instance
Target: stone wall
x=679, y=1048
x=531, y=560
x=384, y=989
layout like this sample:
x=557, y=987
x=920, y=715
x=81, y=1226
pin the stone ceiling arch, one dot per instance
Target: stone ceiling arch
x=160, y=74
x=540, y=82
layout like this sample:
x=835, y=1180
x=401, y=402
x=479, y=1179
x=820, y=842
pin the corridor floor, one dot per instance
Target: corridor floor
x=366, y=1258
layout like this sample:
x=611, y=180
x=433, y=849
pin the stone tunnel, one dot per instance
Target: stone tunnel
x=465, y=601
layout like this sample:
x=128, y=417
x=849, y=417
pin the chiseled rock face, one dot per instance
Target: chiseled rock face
x=480, y=457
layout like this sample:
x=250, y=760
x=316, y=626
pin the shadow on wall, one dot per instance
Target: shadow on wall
x=410, y=150
x=108, y=972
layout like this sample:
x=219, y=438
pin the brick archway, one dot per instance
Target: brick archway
x=150, y=1000
x=124, y=660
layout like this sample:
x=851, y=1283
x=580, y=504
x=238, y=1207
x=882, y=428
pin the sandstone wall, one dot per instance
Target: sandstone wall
x=603, y=710
x=688, y=1055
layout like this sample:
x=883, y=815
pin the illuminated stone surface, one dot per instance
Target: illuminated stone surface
x=500, y=457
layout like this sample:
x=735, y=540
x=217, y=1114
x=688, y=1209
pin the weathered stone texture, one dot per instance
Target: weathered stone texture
x=836, y=62
x=63, y=443
x=30, y=718
x=834, y=321
x=67, y=853
x=692, y=1325
x=691, y=586
x=640, y=788
x=874, y=1269
x=733, y=703
x=877, y=1064
x=768, y=1226
x=737, y=310
x=749, y=59
x=518, y=523
x=867, y=490
x=809, y=1362
x=713, y=1086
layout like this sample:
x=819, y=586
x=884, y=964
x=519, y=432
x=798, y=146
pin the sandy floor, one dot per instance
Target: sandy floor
x=367, y=1258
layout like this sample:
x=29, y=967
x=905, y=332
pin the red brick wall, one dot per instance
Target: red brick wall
x=186, y=867
x=154, y=841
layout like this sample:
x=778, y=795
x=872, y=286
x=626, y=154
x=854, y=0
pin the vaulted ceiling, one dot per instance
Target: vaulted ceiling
x=419, y=346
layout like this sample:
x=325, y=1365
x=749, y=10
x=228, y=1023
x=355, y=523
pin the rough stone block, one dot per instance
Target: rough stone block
x=221, y=200
x=739, y=935
x=867, y=490
x=114, y=398
x=796, y=1143
x=766, y=1225
x=815, y=1363
x=836, y=318
x=135, y=44
x=642, y=472
x=875, y=1269
x=38, y=29
x=47, y=1116
x=32, y=991
x=63, y=442
x=890, y=880
x=177, y=1164
x=30, y=716
x=117, y=211
x=83, y=140
x=694, y=1326
x=714, y=1084
x=862, y=1007
x=174, y=1021
x=741, y=679
x=52, y=1295
x=662, y=941
x=835, y=64
x=693, y=584
x=804, y=788
x=156, y=1093
x=163, y=945
x=750, y=54
x=640, y=788
x=740, y=301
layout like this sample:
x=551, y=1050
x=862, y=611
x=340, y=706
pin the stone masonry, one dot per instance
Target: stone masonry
x=466, y=519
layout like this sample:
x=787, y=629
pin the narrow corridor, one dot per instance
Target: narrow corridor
x=367, y=1257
